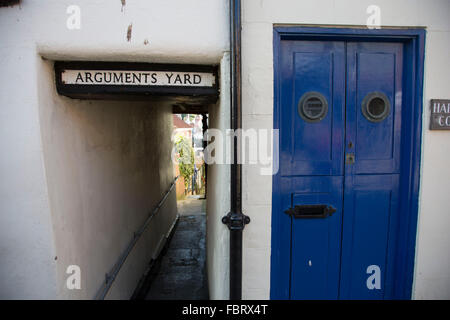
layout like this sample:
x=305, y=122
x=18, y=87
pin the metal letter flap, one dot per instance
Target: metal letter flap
x=311, y=211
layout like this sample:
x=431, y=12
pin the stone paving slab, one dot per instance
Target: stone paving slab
x=182, y=273
x=191, y=207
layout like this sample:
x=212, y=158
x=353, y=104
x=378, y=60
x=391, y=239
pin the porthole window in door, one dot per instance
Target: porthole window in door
x=312, y=107
x=375, y=106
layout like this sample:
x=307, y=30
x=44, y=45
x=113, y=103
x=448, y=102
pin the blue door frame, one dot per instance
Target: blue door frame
x=413, y=41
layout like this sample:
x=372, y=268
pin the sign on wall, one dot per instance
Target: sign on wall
x=115, y=79
x=138, y=78
x=440, y=114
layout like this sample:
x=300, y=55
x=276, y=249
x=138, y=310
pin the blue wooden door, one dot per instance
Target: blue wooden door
x=340, y=134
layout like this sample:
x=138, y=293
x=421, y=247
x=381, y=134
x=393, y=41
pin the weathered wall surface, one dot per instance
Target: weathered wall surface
x=432, y=278
x=194, y=31
x=66, y=190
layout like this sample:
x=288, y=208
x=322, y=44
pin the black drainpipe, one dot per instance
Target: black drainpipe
x=235, y=219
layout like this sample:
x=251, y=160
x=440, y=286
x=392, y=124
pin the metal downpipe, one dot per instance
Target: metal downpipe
x=235, y=219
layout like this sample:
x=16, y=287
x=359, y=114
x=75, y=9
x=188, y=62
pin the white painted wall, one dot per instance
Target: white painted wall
x=432, y=276
x=108, y=164
x=193, y=31
x=218, y=197
x=65, y=190
x=27, y=251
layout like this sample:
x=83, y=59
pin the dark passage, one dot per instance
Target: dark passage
x=182, y=272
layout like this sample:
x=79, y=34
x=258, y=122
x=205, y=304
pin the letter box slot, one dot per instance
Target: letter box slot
x=311, y=211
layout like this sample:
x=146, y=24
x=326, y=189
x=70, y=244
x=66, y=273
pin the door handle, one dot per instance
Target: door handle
x=306, y=211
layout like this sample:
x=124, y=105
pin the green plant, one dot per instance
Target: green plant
x=185, y=159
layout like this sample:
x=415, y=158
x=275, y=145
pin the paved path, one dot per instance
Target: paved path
x=182, y=273
x=191, y=207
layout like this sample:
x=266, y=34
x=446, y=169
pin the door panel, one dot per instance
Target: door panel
x=371, y=183
x=374, y=68
x=370, y=219
x=316, y=241
x=312, y=148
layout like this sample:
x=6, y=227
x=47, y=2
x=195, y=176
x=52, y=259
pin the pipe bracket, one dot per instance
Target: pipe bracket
x=236, y=221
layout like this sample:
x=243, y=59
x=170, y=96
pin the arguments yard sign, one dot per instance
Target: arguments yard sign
x=138, y=78
x=109, y=79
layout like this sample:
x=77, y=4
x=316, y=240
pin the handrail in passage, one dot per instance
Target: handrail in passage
x=111, y=276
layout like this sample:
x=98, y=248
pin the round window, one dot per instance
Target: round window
x=375, y=106
x=312, y=107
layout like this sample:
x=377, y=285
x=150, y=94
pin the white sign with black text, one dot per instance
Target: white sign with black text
x=138, y=78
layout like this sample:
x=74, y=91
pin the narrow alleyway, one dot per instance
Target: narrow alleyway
x=182, y=272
